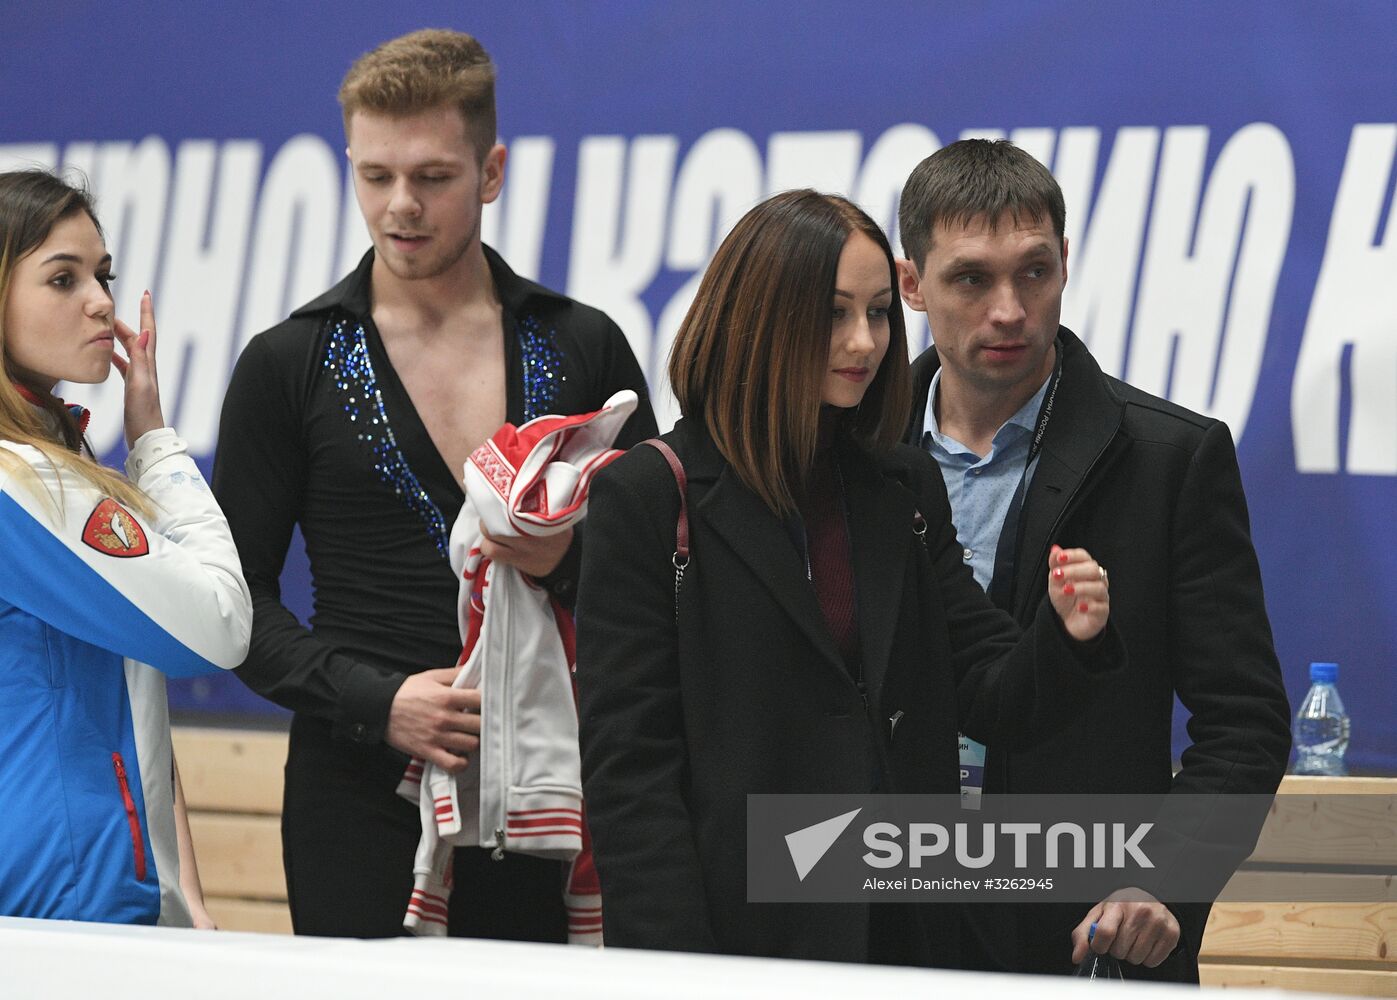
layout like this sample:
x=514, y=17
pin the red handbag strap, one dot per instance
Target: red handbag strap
x=681, y=527
x=680, y=559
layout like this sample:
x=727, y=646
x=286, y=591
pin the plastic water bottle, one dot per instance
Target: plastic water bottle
x=1096, y=966
x=1321, y=726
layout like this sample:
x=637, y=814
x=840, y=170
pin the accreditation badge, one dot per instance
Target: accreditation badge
x=972, y=771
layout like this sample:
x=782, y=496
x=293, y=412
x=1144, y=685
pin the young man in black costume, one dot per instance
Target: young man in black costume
x=353, y=419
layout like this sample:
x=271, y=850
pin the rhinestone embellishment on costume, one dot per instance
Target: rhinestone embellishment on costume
x=347, y=361
x=543, y=367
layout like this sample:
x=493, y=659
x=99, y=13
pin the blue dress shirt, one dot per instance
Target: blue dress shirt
x=981, y=489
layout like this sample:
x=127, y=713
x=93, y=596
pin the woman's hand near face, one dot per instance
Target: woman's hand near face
x=1080, y=592
x=138, y=369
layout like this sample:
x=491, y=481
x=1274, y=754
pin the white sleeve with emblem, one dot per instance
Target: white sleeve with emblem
x=167, y=591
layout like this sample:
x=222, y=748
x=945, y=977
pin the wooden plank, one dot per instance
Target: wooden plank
x=256, y=916
x=1330, y=829
x=1309, y=887
x=1313, y=784
x=1323, y=931
x=239, y=855
x=1348, y=982
x=231, y=770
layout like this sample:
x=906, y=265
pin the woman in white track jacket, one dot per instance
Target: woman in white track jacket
x=105, y=578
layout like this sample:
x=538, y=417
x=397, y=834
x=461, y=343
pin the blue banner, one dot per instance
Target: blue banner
x=1228, y=169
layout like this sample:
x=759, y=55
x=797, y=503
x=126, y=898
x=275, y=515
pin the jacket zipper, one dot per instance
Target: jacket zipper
x=132, y=819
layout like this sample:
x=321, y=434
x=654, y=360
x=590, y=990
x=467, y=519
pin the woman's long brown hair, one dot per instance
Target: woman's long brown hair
x=749, y=359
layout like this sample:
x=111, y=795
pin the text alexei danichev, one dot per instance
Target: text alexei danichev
x=922, y=884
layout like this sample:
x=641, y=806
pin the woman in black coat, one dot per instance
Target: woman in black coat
x=826, y=596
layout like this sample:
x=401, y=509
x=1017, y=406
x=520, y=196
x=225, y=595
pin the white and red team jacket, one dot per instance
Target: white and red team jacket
x=523, y=789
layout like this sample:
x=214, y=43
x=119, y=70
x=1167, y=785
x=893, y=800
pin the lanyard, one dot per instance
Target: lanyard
x=1006, y=553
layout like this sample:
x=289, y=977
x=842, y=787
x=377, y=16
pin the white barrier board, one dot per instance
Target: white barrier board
x=61, y=960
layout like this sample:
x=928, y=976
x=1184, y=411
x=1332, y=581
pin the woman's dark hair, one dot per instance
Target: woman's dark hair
x=749, y=359
x=32, y=202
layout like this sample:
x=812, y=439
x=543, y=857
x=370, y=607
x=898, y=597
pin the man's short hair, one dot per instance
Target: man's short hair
x=421, y=71
x=972, y=179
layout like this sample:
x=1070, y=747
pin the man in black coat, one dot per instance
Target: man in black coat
x=1039, y=447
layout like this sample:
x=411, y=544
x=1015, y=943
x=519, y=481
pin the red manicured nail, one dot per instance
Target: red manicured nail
x=1069, y=589
x=1062, y=557
x=1082, y=607
x=1057, y=573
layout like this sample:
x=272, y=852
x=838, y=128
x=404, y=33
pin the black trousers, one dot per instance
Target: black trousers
x=348, y=842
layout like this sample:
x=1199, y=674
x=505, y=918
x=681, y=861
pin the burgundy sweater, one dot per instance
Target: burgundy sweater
x=828, y=550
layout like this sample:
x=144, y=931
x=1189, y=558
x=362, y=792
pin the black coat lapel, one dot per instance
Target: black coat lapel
x=880, y=529
x=759, y=539
x=1084, y=422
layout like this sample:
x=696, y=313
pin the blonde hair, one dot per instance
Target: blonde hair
x=32, y=202
x=421, y=71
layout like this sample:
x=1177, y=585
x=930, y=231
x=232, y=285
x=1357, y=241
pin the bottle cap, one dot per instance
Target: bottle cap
x=1324, y=673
